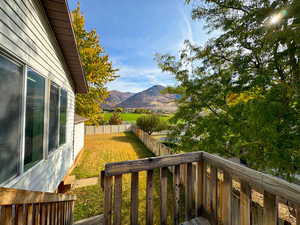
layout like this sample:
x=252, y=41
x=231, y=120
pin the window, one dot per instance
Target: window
x=63, y=116
x=34, y=130
x=53, y=117
x=10, y=117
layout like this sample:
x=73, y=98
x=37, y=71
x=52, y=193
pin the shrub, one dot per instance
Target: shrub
x=141, y=110
x=119, y=109
x=115, y=119
x=151, y=123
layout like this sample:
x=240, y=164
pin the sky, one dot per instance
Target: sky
x=133, y=31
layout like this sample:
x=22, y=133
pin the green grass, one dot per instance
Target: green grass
x=132, y=117
x=101, y=149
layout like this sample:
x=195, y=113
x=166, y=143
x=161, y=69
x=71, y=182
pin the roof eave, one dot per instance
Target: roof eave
x=61, y=23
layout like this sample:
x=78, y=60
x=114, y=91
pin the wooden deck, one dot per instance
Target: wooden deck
x=202, y=186
x=197, y=221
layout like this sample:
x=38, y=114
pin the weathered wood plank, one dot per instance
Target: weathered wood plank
x=163, y=195
x=107, y=200
x=297, y=215
x=48, y=221
x=37, y=213
x=71, y=212
x=53, y=213
x=29, y=215
x=19, y=215
x=245, y=204
x=206, y=190
x=270, y=209
x=10, y=196
x=214, y=194
x=199, y=189
x=149, y=198
x=227, y=199
x=151, y=163
x=134, y=198
x=176, y=188
x=189, y=192
x=102, y=175
x=257, y=179
x=43, y=214
x=117, y=200
x=6, y=215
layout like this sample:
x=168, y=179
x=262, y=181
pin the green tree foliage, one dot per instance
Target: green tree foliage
x=115, y=119
x=151, y=123
x=240, y=92
x=97, y=67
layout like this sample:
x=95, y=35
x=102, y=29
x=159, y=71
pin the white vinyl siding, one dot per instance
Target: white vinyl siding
x=25, y=33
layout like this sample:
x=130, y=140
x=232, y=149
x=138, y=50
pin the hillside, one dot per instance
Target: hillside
x=116, y=97
x=151, y=99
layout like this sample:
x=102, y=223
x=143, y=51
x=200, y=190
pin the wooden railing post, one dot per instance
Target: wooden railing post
x=214, y=194
x=134, y=198
x=205, y=192
x=176, y=188
x=227, y=199
x=297, y=215
x=29, y=212
x=6, y=215
x=149, y=198
x=163, y=195
x=245, y=204
x=118, y=200
x=189, y=192
x=270, y=209
x=19, y=215
x=200, y=188
x=107, y=200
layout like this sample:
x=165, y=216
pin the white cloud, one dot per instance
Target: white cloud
x=135, y=79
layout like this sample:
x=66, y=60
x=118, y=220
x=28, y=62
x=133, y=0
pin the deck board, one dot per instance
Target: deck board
x=196, y=221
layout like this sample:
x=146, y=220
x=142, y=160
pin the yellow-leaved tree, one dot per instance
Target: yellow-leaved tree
x=97, y=67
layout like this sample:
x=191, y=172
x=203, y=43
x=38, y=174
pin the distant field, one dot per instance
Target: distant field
x=132, y=117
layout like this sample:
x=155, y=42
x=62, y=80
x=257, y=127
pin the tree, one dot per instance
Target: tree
x=97, y=67
x=151, y=123
x=240, y=92
x=115, y=119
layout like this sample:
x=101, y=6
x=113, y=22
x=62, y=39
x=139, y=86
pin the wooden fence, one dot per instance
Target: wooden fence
x=107, y=129
x=151, y=143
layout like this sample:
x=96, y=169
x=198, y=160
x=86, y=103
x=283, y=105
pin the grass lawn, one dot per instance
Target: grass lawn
x=101, y=149
x=132, y=117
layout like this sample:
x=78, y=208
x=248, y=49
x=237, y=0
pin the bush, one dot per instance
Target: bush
x=141, y=110
x=119, y=109
x=95, y=120
x=115, y=119
x=151, y=123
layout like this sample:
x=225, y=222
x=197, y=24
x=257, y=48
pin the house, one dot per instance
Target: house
x=40, y=73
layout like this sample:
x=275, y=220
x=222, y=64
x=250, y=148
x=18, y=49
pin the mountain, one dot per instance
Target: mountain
x=151, y=99
x=116, y=97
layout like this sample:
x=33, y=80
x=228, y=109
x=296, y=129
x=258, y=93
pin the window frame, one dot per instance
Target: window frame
x=46, y=120
x=60, y=146
x=21, y=140
x=60, y=94
x=46, y=154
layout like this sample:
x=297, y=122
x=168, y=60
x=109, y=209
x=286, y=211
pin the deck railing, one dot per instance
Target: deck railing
x=20, y=207
x=207, y=182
